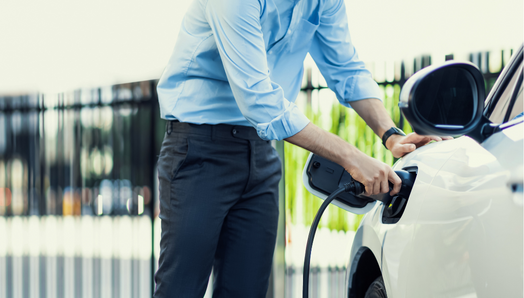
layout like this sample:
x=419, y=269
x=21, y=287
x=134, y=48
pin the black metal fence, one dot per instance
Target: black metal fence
x=65, y=161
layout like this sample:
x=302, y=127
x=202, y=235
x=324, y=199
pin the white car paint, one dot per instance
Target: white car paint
x=461, y=234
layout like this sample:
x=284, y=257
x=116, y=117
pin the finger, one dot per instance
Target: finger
x=408, y=147
x=384, y=185
x=447, y=138
x=403, y=149
x=369, y=189
x=376, y=187
x=395, y=180
x=416, y=139
x=428, y=139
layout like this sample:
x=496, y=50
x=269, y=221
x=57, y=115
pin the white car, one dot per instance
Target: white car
x=456, y=229
x=460, y=231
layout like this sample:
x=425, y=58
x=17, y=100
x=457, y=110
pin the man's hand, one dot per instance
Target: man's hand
x=366, y=170
x=373, y=174
x=402, y=145
x=373, y=112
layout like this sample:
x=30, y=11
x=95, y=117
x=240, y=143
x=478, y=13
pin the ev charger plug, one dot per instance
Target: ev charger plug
x=322, y=177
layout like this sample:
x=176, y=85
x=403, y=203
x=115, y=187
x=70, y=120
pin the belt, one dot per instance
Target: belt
x=222, y=131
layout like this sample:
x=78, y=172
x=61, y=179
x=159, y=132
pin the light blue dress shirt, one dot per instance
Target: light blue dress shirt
x=240, y=62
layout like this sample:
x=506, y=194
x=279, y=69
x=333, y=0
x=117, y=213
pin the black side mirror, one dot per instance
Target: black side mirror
x=445, y=100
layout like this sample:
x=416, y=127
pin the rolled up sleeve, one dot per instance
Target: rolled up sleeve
x=337, y=59
x=238, y=35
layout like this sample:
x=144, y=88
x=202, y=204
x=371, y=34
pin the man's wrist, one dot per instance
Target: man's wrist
x=393, y=132
x=350, y=155
x=392, y=140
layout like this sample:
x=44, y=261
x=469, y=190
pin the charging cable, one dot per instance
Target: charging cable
x=356, y=188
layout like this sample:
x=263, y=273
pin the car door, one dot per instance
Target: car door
x=468, y=235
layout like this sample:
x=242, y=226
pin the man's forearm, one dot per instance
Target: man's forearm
x=373, y=112
x=376, y=117
x=370, y=172
x=325, y=144
x=333, y=147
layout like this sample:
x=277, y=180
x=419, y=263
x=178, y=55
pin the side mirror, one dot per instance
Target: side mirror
x=445, y=100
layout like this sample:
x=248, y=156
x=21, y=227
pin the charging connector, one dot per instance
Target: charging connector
x=325, y=178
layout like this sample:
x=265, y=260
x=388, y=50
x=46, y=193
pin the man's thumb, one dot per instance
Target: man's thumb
x=408, y=148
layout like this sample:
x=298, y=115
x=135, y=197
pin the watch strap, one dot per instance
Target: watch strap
x=389, y=132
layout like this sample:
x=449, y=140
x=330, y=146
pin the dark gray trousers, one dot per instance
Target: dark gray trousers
x=218, y=188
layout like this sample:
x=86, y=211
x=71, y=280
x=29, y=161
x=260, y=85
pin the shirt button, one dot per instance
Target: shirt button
x=270, y=52
x=234, y=131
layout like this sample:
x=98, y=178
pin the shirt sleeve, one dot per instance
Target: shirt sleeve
x=337, y=58
x=238, y=35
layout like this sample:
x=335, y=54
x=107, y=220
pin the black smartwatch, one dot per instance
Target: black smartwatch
x=390, y=132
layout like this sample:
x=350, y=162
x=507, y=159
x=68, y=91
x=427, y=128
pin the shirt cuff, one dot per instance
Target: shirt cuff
x=284, y=126
x=362, y=87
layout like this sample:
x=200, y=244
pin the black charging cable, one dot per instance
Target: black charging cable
x=354, y=187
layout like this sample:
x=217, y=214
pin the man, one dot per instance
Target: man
x=228, y=89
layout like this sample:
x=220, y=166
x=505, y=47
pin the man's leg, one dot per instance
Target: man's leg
x=199, y=180
x=245, y=251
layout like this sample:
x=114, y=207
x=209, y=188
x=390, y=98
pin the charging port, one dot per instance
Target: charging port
x=394, y=209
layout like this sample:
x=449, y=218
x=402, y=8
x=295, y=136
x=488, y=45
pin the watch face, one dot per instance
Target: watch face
x=400, y=132
x=389, y=132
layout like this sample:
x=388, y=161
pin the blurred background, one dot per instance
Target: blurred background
x=80, y=133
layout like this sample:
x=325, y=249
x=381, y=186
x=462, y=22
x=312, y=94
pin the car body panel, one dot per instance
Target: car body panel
x=451, y=240
x=469, y=218
x=372, y=233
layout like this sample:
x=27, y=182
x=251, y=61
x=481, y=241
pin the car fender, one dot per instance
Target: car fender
x=395, y=239
x=364, y=256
